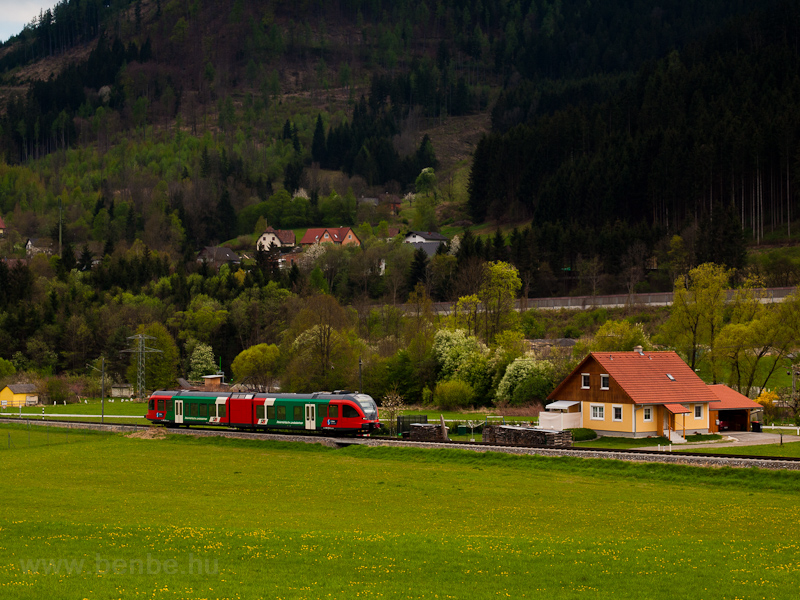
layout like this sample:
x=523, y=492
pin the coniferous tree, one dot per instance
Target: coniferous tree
x=318, y=147
x=418, y=270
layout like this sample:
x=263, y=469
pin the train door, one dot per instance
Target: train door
x=179, y=411
x=311, y=416
x=218, y=413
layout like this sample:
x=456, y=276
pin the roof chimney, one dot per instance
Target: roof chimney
x=639, y=349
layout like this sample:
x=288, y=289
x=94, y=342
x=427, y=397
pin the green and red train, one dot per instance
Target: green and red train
x=338, y=412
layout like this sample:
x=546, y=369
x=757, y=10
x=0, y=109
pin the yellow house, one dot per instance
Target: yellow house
x=19, y=394
x=638, y=394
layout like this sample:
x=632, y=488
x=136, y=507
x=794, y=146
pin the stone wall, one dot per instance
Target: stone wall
x=526, y=436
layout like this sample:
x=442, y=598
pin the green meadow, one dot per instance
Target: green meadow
x=103, y=516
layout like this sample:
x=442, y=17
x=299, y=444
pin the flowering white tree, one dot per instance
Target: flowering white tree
x=201, y=362
x=524, y=371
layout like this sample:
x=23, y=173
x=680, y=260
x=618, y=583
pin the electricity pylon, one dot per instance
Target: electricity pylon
x=141, y=351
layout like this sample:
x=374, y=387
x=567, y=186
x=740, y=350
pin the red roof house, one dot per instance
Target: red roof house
x=343, y=236
x=2, y=226
x=638, y=394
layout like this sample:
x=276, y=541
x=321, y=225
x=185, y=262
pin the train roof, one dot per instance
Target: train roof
x=337, y=395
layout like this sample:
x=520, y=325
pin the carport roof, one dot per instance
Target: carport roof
x=676, y=409
x=730, y=399
x=561, y=404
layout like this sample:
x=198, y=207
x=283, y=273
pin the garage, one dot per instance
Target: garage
x=732, y=411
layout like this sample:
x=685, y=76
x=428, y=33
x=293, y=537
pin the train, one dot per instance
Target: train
x=339, y=412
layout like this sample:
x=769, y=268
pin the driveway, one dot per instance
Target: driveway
x=741, y=438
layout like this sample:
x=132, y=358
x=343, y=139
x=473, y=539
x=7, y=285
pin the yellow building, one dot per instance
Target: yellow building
x=19, y=394
x=638, y=394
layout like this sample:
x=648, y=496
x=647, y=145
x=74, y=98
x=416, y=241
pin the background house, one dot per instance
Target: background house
x=638, y=394
x=429, y=241
x=216, y=256
x=19, y=394
x=343, y=236
x=282, y=238
x=2, y=227
x=413, y=237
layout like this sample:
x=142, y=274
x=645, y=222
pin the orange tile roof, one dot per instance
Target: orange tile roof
x=646, y=377
x=676, y=409
x=730, y=399
x=337, y=234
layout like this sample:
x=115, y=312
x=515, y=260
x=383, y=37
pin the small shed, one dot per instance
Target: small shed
x=121, y=390
x=19, y=394
x=561, y=415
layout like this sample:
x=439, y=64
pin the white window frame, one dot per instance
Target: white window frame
x=601, y=411
x=589, y=386
x=614, y=408
x=698, y=408
x=648, y=410
x=608, y=381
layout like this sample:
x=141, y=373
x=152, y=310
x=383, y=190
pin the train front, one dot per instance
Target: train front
x=370, y=410
x=160, y=408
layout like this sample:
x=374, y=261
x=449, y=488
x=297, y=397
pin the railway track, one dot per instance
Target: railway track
x=713, y=459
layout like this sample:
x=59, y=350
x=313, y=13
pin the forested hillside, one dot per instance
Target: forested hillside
x=706, y=134
x=627, y=142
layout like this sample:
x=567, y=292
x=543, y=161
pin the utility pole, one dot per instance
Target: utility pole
x=141, y=351
x=102, y=371
x=60, y=222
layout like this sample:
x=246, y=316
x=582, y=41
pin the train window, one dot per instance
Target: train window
x=193, y=409
x=348, y=412
x=162, y=405
x=260, y=411
x=170, y=402
x=333, y=411
x=204, y=410
x=152, y=404
x=298, y=413
x=221, y=411
x=271, y=412
x=281, y=413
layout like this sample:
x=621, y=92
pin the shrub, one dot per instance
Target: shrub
x=450, y=395
x=57, y=389
x=582, y=434
x=571, y=331
x=532, y=326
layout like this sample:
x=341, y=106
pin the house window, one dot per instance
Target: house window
x=598, y=412
x=648, y=413
x=616, y=413
x=585, y=379
x=603, y=382
x=698, y=411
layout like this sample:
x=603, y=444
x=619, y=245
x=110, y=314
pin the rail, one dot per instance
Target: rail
x=769, y=296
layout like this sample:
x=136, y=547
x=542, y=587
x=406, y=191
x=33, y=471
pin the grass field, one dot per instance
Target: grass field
x=103, y=516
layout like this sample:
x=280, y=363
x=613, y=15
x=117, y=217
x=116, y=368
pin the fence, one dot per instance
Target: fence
x=404, y=422
x=24, y=435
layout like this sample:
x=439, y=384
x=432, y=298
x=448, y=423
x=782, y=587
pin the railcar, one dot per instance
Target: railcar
x=337, y=412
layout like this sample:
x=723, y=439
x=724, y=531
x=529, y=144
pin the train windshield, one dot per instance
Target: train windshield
x=368, y=405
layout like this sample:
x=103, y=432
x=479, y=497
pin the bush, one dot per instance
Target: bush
x=450, y=395
x=537, y=377
x=57, y=390
x=582, y=434
x=572, y=332
x=532, y=327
